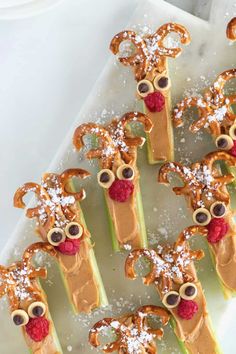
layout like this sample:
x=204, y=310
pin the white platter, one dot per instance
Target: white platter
x=13, y=9
x=166, y=215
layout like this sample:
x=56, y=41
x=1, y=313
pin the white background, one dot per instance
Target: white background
x=48, y=64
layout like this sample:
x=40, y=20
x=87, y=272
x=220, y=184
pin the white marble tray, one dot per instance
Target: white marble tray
x=165, y=214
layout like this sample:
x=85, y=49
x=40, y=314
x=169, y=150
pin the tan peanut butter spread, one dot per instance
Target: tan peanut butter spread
x=78, y=273
x=160, y=138
x=224, y=253
x=196, y=333
x=80, y=280
x=46, y=346
x=125, y=215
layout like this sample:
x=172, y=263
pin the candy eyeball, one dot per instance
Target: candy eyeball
x=144, y=87
x=55, y=236
x=125, y=172
x=171, y=299
x=105, y=178
x=201, y=216
x=74, y=230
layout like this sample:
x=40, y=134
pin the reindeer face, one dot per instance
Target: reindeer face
x=119, y=182
x=153, y=90
x=182, y=300
x=66, y=239
x=28, y=306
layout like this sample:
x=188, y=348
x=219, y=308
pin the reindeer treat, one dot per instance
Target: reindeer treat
x=231, y=29
x=214, y=113
x=27, y=300
x=134, y=333
x=149, y=61
x=60, y=222
x=173, y=273
x=118, y=175
x=207, y=195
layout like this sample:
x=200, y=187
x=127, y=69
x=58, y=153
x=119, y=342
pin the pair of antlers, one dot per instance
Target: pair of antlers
x=114, y=140
x=134, y=334
x=170, y=264
x=201, y=178
x=150, y=50
x=17, y=279
x=214, y=109
x=53, y=196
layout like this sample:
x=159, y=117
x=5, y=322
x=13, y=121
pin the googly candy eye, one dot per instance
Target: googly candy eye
x=74, y=230
x=232, y=132
x=125, y=172
x=188, y=291
x=171, y=299
x=105, y=178
x=224, y=142
x=36, y=309
x=162, y=82
x=218, y=209
x=55, y=236
x=201, y=216
x=20, y=318
x=144, y=87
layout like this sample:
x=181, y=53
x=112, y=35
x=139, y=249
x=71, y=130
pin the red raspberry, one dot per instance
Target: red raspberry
x=187, y=309
x=155, y=101
x=121, y=190
x=217, y=229
x=69, y=246
x=232, y=151
x=37, y=328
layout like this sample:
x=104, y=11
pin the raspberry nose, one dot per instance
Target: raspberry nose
x=121, y=190
x=37, y=328
x=155, y=101
x=69, y=247
x=187, y=309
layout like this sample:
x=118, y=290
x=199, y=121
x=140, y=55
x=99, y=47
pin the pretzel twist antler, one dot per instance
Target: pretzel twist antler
x=170, y=264
x=18, y=278
x=214, y=109
x=196, y=183
x=107, y=149
x=42, y=196
x=131, y=327
x=231, y=29
x=150, y=50
x=114, y=140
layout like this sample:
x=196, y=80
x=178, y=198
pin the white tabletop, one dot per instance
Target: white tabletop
x=48, y=64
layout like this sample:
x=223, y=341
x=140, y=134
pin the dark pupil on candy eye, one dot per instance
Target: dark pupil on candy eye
x=104, y=177
x=74, y=230
x=201, y=217
x=127, y=172
x=37, y=311
x=56, y=237
x=190, y=290
x=163, y=82
x=18, y=320
x=143, y=87
x=219, y=209
x=222, y=143
x=172, y=299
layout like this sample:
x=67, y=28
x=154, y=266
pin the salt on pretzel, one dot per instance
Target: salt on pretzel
x=196, y=184
x=131, y=327
x=44, y=198
x=214, y=108
x=164, y=272
x=28, y=274
x=114, y=140
x=150, y=50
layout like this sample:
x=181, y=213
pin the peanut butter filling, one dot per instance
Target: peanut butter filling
x=196, y=333
x=57, y=208
x=80, y=280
